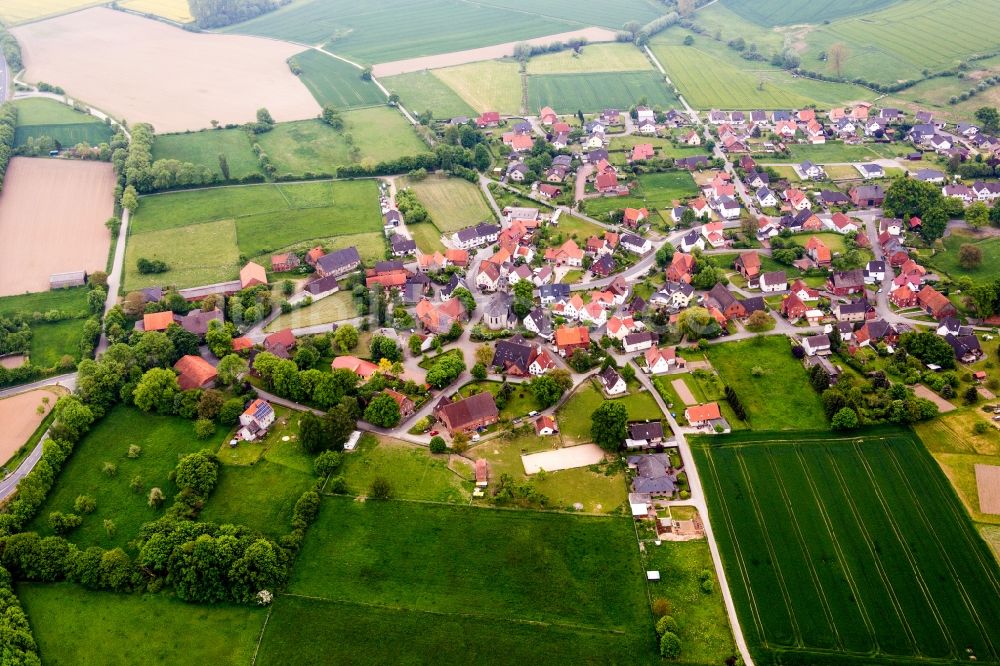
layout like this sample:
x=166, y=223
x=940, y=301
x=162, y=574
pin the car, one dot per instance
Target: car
x=533, y=413
x=475, y=438
x=433, y=432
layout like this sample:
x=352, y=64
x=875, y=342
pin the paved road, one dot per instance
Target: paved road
x=4, y=80
x=115, y=276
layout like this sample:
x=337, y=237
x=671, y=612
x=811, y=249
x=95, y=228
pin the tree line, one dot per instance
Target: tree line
x=210, y=14
x=8, y=125
x=11, y=50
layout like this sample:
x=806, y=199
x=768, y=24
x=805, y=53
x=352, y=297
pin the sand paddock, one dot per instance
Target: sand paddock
x=147, y=71
x=20, y=419
x=683, y=392
x=569, y=458
x=943, y=405
x=52, y=215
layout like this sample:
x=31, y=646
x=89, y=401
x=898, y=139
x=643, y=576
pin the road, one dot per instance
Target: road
x=4, y=80
x=115, y=276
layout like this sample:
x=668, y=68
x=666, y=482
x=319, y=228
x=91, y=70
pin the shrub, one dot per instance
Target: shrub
x=666, y=624
x=204, y=428
x=61, y=523
x=670, y=645
x=438, y=445
x=980, y=428
x=660, y=607
x=110, y=469
x=327, y=463
x=380, y=488
x=134, y=451
x=85, y=504
x=155, y=498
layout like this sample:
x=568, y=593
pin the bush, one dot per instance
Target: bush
x=134, y=451
x=438, y=445
x=670, y=645
x=980, y=428
x=110, y=469
x=327, y=463
x=204, y=428
x=380, y=488
x=660, y=607
x=61, y=523
x=666, y=624
x=85, y=504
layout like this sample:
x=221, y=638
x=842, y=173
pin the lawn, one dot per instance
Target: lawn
x=485, y=86
x=577, y=227
x=163, y=439
x=835, y=151
x=781, y=398
x=73, y=625
x=946, y=260
x=427, y=237
x=335, y=307
x=261, y=497
x=72, y=301
x=198, y=254
x=519, y=403
x=849, y=550
x=335, y=83
x=593, y=58
x=453, y=203
x=204, y=148
x=574, y=415
x=50, y=341
x=37, y=117
x=568, y=93
x=412, y=471
x=656, y=191
x=836, y=242
x=422, y=91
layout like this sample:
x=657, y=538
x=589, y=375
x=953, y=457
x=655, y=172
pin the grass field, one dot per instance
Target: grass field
x=379, y=133
x=837, y=152
x=656, y=191
x=72, y=300
x=204, y=148
x=261, y=497
x=792, y=12
x=780, y=399
x=519, y=403
x=453, y=203
x=420, y=91
x=77, y=626
x=412, y=472
x=335, y=307
x=18, y=11
x=427, y=237
x=568, y=93
x=334, y=82
x=485, y=86
x=947, y=260
x=574, y=415
x=594, y=58
x=50, y=341
x=163, y=440
x=37, y=117
x=197, y=254
x=836, y=242
x=849, y=550
x=172, y=10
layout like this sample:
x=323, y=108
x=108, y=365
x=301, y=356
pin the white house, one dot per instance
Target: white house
x=874, y=272
x=728, y=208
x=638, y=341
x=635, y=244
x=766, y=198
x=816, y=344
x=255, y=420
x=676, y=295
x=660, y=361
x=773, y=281
x=691, y=241
x=870, y=170
x=593, y=313
x=647, y=128
x=612, y=381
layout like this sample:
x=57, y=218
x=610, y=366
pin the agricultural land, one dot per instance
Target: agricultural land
x=37, y=118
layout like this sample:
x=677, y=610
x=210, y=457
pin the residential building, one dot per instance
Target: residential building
x=472, y=413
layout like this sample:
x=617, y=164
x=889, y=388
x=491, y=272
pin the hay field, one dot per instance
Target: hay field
x=172, y=10
x=19, y=11
x=453, y=203
x=136, y=68
x=485, y=86
x=792, y=12
x=615, y=57
x=52, y=215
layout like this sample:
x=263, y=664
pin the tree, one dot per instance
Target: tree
x=224, y=166
x=156, y=391
x=438, y=444
x=928, y=347
x=85, y=504
x=345, y=338
x=380, y=488
x=759, y=321
x=977, y=215
x=970, y=396
x=204, y=428
x=197, y=472
x=231, y=368
x=155, y=498
x=383, y=411
x=445, y=370
x=989, y=118
x=907, y=197
x=185, y=342
x=73, y=417
x=264, y=117
x=482, y=157
x=339, y=422
x=114, y=225
x=608, y=425
x=545, y=390
x=219, y=338
x=415, y=342
x=845, y=419
x=467, y=299
x=697, y=322
x=130, y=199
x=479, y=371
x=230, y=412
x=312, y=434
x=970, y=256
x=326, y=463
x=523, y=298
x=383, y=347
x=670, y=645
x=836, y=55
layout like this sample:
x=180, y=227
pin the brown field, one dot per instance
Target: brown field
x=20, y=418
x=484, y=53
x=147, y=71
x=52, y=215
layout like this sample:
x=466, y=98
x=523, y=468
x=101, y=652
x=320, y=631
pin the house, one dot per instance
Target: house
x=545, y=425
x=935, y=303
x=482, y=473
x=831, y=198
x=967, y=347
x=812, y=171
x=728, y=208
x=197, y=321
x=903, y=297
x=547, y=116
x=681, y=267
x=817, y=344
x=634, y=342
x=156, y=321
x=785, y=128
x=549, y=191
x=607, y=182
x=874, y=332
x=571, y=338
x=194, y=372
x=692, y=163
x=540, y=362
x=255, y=420
x=653, y=475
x=635, y=244
x=338, y=262
x=929, y=176
x=691, y=138
x=199, y=294
x=393, y=218
x=959, y=191
x=940, y=143
x=797, y=200
x=723, y=300
x=648, y=432
x=773, y=281
x=569, y=253
x=553, y=293
x=844, y=283
x=402, y=246
x=281, y=263
x=869, y=171
x=703, y=415
x=748, y=264
x=987, y=192
x=867, y=196
x=757, y=179
x=479, y=235
x=457, y=258
x=842, y=224
x=488, y=119
x=642, y=152
x=252, y=275
x=766, y=198
x=362, y=368
x=439, y=318
x=633, y=216
x=612, y=382
x=518, y=171
x=619, y=327
x=538, y=323
x=693, y=240
x=852, y=311
x=593, y=313
x=891, y=226
x=874, y=272
x=497, y=314
x=488, y=278
x=280, y=343
x=659, y=361
x=818, y=251
x=472, y=413
x=555, y=174
x=512, y=356
x=793, y=307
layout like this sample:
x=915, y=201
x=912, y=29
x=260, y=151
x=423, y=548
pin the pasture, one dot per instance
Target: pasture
x=412, y=471
x=74, y=625
x=334, y=82
x=793, y=12
x=37, y=117
x=173, y=10
x=656, y=191
x=427, y=237
x=593, y=58
x=568, y=93
x=422, y=91
x=849, y=550
x=197, y=254
x=261, y=496
x=72, y=301
x=51, y=341
x=335, y=307
x=946, y=260
x=203, y=148
x=52, y=215
x=219, y=77
x=491, y=85
x=453, y=203
x=781, y=398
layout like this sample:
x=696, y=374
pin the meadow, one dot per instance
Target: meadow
x=336, y=83
x=492, y=85
x=261, y=496
x=198, y=254
x=946, y=260
x=51, y=341
x=849, y=550
x=593, y=58
x=205, y=147
x=835, y=151
x=412, y=471
x=422, y=91
x=172, y=10
x=427, y=237
x=792, y=12
x=72, y=301
x=453, y=203
x=335, y=307
x=781, y=398
x=568, y=93
x=38, y=117
x=574, y=415
x=655, y=191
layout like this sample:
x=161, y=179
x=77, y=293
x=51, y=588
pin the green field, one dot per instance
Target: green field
x=491, y=85
x=335, y=307
x=73, y=301
x=453, y=203
x=427, y=237
x=947, y=260
x=261, y=497
x=202, y=233
x=37, y=117
x=568, y=93
x=781, y=398
x=73, y=625
x=837, y=152
x=204, y=148
x=422, y=91
x=334, y=82
x=594, y=58
x=849, y=550
x=792, y=12
x=574, y=415
x=50, y=341
x=656, y=191
x=380, y=134
x=412, y=472
x=163, y=440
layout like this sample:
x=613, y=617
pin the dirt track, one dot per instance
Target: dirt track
x=943, y=405
x=147, y=71
x=683, y=392
x=20, y=419
x=52, y=215
x=484, y=53
x=568, y=458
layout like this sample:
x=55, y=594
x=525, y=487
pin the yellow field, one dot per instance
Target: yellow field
x=485, y=86
x=172, y=10
x=19, y=11
x=593, y=58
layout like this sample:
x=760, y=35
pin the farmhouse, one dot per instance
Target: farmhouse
x=281, y=263
x=338, y=262
x=255, y=420
x=194, y=372
x=472, y=413
x=252, y=275
x=362, y=368
x=935, y=303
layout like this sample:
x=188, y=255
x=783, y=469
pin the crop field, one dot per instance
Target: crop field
x=172, y=10
x=947, y=260
x=594, y=58
x=794, y=12
x=38, y=117
x=18, y=11
x=799, y=406
x=204, y=148
x=485, y=86
x=849, y=550
x=558, y=584
x=335, y=82
x=74, y=625
x=567, y=93
x=422, y=91
x=201, y=234
x=453, y=203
